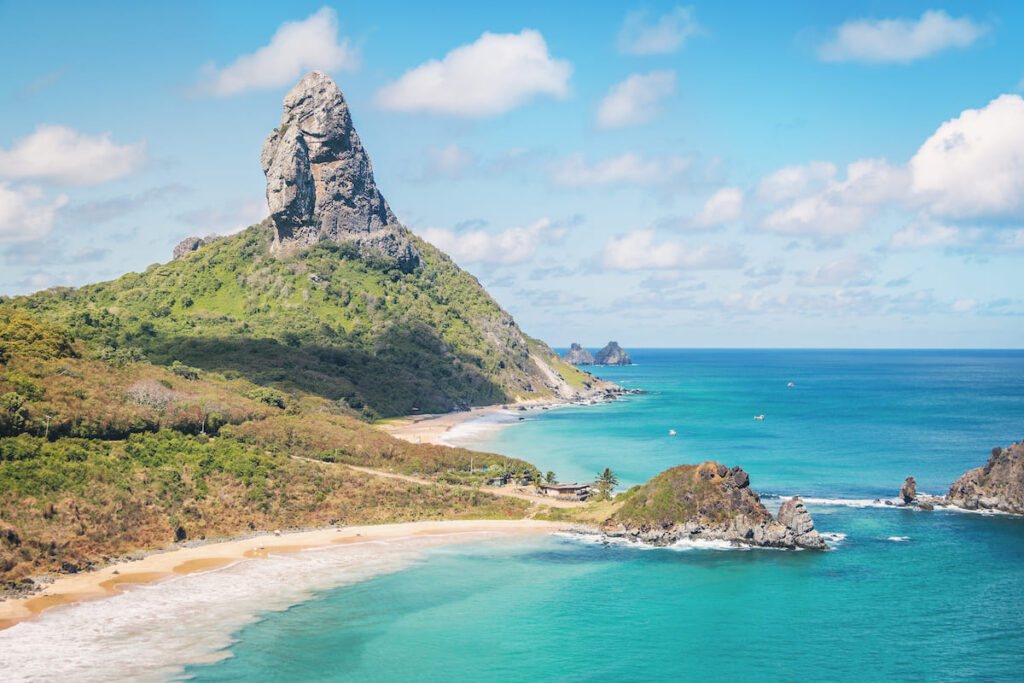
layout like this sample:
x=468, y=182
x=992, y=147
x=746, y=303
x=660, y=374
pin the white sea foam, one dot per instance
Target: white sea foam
x=477, y=429
x=852, y=502
x=899, y=539
x=682, y=544
x=832, y=538
x=151, y=631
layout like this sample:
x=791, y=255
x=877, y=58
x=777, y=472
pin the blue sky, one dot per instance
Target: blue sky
x=776, y=174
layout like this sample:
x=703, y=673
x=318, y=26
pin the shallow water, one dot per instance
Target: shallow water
x=908, y=594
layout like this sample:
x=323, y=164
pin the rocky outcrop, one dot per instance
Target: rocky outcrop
x=998, y=485
x=908, y=492
x=612, y=354
x=577, y=355
x=709, y=502
x=191, y=244
x=319, y=178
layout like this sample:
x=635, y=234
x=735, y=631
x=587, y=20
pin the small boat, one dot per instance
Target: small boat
x=671, y=432
x=790, y=385
x=759, y=417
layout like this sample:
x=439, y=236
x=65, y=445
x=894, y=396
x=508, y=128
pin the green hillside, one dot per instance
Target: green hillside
x=337, y=321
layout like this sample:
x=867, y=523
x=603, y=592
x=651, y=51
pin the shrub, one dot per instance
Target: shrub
x=184, y=371
x=272, y=397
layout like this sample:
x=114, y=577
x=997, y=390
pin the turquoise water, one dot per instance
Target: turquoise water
x=936, y=596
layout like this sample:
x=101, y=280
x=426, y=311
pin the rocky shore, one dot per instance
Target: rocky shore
x=709, y=502
x=998, y=485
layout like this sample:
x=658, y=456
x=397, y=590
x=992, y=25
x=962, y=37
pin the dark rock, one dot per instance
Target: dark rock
x=577, y=355
x=320, y=180
x=191, y=244
x=794, y=514
x=741, y=478
x=179, y=534
x=612, y=354
x=908, y=492
x=998, y=485
x=925, y=505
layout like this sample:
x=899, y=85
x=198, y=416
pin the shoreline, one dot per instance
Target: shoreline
x=113, y=579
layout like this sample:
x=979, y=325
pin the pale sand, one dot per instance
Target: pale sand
x=431, y=428
x=110, y=580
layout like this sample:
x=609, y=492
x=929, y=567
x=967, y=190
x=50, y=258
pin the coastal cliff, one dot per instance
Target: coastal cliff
x=709, y=502
x=997, y=485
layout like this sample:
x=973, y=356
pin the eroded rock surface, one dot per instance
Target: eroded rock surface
x=577, y=355
x=998, y=485
x=908, y=492
x=320, y=180
x=612, y=354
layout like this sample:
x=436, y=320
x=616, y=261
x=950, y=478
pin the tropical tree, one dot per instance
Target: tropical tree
x=550, y=477
x=605, y=482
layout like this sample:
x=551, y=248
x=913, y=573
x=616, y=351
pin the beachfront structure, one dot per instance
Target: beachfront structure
x=577, y=491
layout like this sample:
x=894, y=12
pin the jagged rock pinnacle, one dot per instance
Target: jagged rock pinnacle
x=320, y=179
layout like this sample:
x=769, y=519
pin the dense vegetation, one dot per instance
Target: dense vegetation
x=332, y=321
x=680, y=493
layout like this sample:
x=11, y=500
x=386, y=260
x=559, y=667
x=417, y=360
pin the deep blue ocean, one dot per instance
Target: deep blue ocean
x=903, y=594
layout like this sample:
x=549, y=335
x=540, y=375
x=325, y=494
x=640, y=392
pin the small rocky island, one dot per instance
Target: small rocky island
x=997, y=485
x=709, y=502
x=577, y=355
x=612, y=354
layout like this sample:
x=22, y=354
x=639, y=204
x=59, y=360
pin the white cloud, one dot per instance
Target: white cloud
x=900, y=40
x=724, y=206
x=924, y=235
x=514, y=245
x=666, y=34
x=843, y=207
x=793, y=181
x=974, y=164
x=964, y=305
x=491, y=76
x=450, y=161
x=637, y=251
x=849, y=271
x=24, y=213
x=626, y=169
x=58, y=154
x=635, y=100
x=295, y=48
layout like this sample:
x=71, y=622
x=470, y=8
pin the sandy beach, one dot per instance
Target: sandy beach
x=432, y=428
x=113, y=578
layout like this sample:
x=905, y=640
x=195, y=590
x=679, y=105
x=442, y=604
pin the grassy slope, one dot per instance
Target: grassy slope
x=329, y=321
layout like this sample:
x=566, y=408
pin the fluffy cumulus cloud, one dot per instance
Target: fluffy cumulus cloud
x=900, y=40
x=973, y=166
x=491, y=76
x=514, y=245
x=642, y=34
x=791, y=182
x=842, y=207
x=295, y=48
x=635, y=100
x=724, y=206
x=25, y=214
x=60, y=155
x=638, y=251
x=626, y=169
x=848, y=272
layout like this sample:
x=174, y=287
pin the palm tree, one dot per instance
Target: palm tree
x=606, y=481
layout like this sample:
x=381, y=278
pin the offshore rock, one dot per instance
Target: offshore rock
x=908, y=492
x=708, y=502
x=191, y=244
x=612, y=354
x=320, y=180
x=998, y=485
x=577, y=355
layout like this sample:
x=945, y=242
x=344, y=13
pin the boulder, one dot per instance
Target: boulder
x=908, y=492
x=320, y=181
x=794, y=515
x=612, y=354
x=577, y=355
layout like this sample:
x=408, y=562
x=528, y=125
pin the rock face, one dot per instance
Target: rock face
x=908, y=492
x=190, y=244
x=319, y=178
x=577, y=355
x=998, y=485
x=709, y=502
x=612, y=354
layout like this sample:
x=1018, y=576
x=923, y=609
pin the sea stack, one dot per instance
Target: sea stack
x=709, y=502
x=320, y=181
x=998, y=485
x=612, y=354
x=577, y=355
x=908, y=492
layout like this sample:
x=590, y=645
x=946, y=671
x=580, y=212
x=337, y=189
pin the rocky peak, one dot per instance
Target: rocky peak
x=612, y=354
x=577, y=355
x=320, y=180
x=191, y=244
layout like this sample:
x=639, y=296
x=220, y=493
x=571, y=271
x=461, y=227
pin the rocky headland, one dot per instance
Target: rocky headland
x=709, y=502
x=997, y=485
x=577, y=355
x=612, y=354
